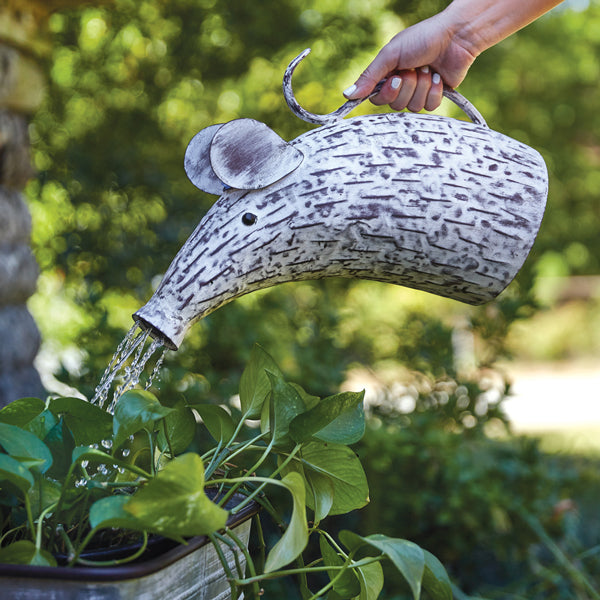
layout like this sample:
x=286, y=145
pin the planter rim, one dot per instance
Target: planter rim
x=124, y=572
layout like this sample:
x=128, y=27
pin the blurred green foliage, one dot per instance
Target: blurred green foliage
x=496, y=511
x=132, y=82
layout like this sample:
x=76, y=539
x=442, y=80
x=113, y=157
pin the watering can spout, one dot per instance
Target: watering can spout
x=428, y=202
x=171, y=339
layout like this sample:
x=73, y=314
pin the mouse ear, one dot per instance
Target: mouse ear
x=197, y=161
x=248, y=155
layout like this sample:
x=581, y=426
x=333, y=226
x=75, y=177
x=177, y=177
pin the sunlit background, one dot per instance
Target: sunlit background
x=130, y=82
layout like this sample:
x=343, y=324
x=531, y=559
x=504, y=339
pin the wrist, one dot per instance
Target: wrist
x=462, y=20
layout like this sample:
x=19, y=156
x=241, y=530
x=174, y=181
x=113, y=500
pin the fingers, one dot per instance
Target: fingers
x=413, y=89
x=384, y=63
x=434, y=97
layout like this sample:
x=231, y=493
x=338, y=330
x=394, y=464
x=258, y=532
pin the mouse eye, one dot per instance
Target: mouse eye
x=249, y=218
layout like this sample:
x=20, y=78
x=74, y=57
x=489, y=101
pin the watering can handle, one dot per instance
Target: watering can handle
x=450, y=93
x=466, y=106
x=458, y=99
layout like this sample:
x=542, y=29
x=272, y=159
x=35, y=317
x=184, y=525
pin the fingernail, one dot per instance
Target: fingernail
x=425, y=69
x=436, y=78
x=396, y=82
x=350, y=90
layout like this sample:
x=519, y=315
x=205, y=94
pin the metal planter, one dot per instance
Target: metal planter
x=183, y=572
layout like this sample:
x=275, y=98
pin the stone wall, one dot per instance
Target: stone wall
x=24, y=47
x=21, y=92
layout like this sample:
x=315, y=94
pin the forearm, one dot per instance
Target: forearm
x=479, y=24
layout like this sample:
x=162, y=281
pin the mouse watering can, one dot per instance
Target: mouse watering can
x=438, y=204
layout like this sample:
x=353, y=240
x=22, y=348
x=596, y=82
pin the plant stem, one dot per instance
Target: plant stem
x=151, y=443
x=262, y=546
x=332, y=581
x=257, y=491
x=112, y=563
x=109, y=459
x=332, y=542
x=248, y=445
x=232, y=546
x=67, y=541
x=81, y=547
x=38, y=537
x=252, y=469
x=242, y=546
x=578, y=577
x=228, y=453
x=298, y=571
x=209, y=470
x=274, y=514
x=168, y=437
x=104, y=485
x=30, y=517
x=237, y=429
x=224, y=563
x=219, y=456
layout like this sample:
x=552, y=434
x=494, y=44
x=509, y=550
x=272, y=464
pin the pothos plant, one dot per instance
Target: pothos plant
x=75, y=477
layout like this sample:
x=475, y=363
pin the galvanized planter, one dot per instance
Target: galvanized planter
x=182, y=572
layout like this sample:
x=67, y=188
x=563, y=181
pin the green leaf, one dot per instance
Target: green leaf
x=308, y=399
x=348, y=585
x=285, y=405
x=254, y=383
x=338, y=419
x=110, y=512
x=181, y=426
x=135, y=410
x=87, y=453
x=294, y=540
x=43, y=494
x=61, y=443
x=320, y=493
x=174, y=503
x=406, y=556
x=341, y=466
x=81, y=453
x=20, y=443
x=24, y=552
x=371, y=581
x=41, y=424
x=13, y=471
x=89, y=423
x=21, y=411
x=217, y=420
x=435, y=579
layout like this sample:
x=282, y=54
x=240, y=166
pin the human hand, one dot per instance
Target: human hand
x=416, y=63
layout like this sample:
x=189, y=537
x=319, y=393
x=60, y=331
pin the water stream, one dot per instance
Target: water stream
x=133, y=346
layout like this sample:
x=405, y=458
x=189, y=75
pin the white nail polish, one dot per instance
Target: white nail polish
x=425, y=69
x=436, y=78
x=396, y=83
x=350, y=90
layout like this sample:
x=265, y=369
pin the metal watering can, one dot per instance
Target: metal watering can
x=424, y=201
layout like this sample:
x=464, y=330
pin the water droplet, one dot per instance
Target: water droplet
x=107, y=444
x=126, y=452
x=85, y=463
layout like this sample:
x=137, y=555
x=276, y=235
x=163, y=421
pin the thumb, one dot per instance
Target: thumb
x=383, y=64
